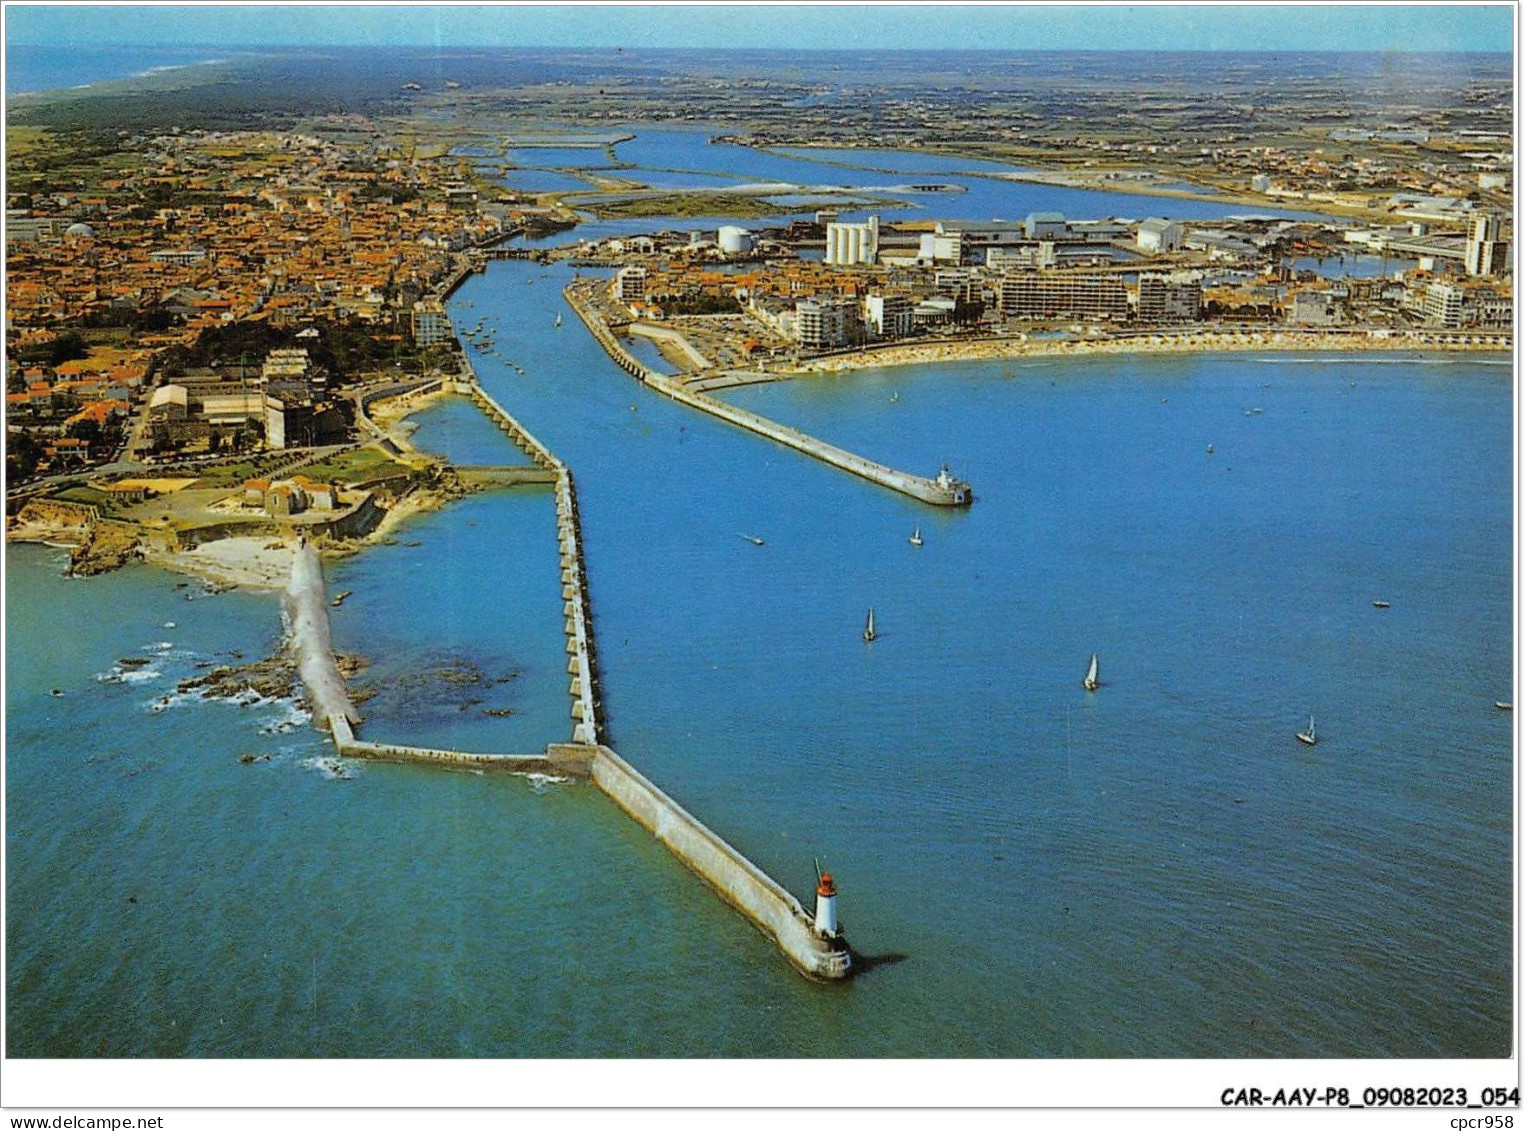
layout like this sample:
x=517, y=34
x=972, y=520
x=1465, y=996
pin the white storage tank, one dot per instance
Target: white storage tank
x=734, y=240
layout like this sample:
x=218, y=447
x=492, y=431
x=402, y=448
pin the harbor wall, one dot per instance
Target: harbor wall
x=916, y=486
x=568, y=760
x=739, y=882
x=743, y=885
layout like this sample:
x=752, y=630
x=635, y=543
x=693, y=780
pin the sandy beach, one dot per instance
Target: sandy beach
x=1252, y=341
x=255, y=563
x=390, y=415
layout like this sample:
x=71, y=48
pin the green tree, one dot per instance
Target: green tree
x=87, y=430
x=22, y=455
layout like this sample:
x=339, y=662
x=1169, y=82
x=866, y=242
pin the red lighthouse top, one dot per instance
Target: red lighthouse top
x=827, y=887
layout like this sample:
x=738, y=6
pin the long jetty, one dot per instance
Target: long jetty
x=943, y=491
x=756, y=895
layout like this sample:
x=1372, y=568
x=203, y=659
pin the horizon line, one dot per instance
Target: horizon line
x=268, y=48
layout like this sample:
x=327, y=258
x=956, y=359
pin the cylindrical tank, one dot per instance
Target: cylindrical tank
x=825, y=907
x=734, y=240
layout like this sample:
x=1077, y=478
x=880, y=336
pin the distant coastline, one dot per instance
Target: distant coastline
x=42, y=73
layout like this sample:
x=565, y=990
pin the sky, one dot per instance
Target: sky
x=1318, y=26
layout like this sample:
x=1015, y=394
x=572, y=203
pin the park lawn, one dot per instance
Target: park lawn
x=351, y=467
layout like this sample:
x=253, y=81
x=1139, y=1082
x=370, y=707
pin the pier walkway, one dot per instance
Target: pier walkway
x=943, y=491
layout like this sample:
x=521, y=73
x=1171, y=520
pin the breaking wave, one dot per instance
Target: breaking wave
x=306, y=607
x=119, y=674
x=541, y=782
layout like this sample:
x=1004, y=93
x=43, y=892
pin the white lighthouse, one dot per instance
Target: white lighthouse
x=825, y=908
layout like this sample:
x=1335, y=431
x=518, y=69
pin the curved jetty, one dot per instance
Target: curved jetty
x=943, y=491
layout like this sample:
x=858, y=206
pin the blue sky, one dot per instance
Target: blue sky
x=1450, y=27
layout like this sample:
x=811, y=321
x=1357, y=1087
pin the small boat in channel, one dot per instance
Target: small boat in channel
x=752, y=538
x=1310, y=735
x=869, y=633
x=1092, y=678
x=1382, y=604
x=916, y=539
x=1502, y=705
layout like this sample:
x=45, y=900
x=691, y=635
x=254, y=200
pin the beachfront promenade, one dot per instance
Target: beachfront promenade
x=943, y=491
x=763, y=901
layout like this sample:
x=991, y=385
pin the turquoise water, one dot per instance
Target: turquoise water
x=453, y=427
x=1155, y=869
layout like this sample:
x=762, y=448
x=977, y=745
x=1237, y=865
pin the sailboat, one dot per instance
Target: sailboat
x=915, y=538
x=752, y=538
x=869, y=635
x=558, y=320
x=1093, y=676
x=1310, y=735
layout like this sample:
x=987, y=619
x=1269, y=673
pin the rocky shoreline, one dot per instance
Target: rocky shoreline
x=254, y=562
x=274, y=677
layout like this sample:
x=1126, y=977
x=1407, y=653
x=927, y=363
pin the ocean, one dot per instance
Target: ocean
x=31, y=69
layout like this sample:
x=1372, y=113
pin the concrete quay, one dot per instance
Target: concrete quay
x=944, y=491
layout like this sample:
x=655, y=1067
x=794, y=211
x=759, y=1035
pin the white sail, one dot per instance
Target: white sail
x=1093, y=676
x=869, y=633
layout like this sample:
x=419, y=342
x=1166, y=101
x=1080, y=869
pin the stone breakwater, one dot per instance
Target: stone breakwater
x=769, y=907
x=943, y=491
x=764, y=902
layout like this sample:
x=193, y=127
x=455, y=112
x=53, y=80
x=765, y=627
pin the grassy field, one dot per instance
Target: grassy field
x=108, y=503
x=682, y=204
x=233, y=474
x=22, y=141
x=351, y=467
